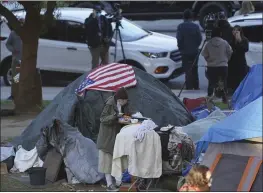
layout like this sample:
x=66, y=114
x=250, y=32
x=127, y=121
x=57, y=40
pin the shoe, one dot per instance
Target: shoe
x=118, y=186
x=112, y=188
x=103, y=184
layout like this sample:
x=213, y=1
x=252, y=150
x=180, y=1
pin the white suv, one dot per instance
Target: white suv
x=62, y=48
x=252, y=27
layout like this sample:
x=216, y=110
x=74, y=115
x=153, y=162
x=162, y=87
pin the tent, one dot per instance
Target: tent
x=234, y=152
x=249, y=89
x=150, y=97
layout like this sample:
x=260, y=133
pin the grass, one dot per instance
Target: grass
x=222, y=106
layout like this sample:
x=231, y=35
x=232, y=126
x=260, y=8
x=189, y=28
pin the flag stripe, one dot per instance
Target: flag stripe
x=113, y=73
x=101, y=68
x=108, y=78
x=101, y=71
x=116, y=82
x=112, y=78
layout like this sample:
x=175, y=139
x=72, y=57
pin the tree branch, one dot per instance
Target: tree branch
x=11, y=18
x=48, y=16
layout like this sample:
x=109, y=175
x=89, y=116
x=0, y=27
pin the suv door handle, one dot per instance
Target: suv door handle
x=72, y=48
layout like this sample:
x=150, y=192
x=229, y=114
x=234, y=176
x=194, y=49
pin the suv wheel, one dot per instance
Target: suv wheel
x=7, y=73
x=211, y=7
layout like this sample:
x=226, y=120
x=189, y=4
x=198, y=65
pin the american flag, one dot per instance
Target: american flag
x=109, y=78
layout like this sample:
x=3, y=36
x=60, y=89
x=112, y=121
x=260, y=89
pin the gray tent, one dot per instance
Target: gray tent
x=150, y=97
x=235, y=166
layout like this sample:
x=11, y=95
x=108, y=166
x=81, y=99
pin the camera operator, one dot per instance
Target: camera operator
x=189, y=39
x=225, y=27
x=98, y=31
x=217, y=52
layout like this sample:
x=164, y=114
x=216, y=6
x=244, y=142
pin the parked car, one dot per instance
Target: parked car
x=253, y=30
x=62, y=49
x=144, y=10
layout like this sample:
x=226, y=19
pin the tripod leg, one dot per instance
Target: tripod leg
x=116, y=41
x=122, y=46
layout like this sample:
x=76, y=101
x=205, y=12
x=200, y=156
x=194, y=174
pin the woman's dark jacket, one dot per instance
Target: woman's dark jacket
x=109, y=126
x=237, y=66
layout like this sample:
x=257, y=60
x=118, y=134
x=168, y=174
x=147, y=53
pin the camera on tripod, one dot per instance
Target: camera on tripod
x=211, y=22
x=116, y=15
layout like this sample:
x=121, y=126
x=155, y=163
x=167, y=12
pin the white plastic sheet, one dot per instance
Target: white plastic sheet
x=26, y=159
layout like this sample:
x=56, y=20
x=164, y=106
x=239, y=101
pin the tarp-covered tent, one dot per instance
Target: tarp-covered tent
x=249, y=89
x=234, y=153
x=150, y=97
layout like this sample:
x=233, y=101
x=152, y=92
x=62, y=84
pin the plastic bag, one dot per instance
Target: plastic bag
x=26, y=159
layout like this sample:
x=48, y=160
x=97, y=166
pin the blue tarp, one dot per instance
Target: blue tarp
x=243, y=124
x=249, y=89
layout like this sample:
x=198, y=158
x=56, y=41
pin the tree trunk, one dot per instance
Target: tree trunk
x=29, y=97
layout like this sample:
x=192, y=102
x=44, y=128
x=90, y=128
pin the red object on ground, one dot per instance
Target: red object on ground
x=193, y=103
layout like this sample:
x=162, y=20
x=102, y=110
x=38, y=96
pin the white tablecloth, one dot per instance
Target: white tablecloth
x=143, y=159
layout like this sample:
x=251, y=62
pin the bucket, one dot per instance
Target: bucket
x=37, y=176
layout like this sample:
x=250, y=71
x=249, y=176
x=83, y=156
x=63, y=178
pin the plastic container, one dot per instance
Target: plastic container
x=37, y=176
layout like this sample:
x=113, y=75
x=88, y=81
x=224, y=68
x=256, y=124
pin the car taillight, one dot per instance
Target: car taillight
x=2, y=38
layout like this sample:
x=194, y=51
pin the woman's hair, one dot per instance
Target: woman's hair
x=239, y=29
x=121, y=94
x=247, y=7
x=197, y=177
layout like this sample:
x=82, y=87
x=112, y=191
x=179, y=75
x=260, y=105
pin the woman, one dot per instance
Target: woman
x=237, y=66
x=246, y=8
x=198, y=180
x=109, y=128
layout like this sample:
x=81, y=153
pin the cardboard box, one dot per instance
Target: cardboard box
x=4, y=169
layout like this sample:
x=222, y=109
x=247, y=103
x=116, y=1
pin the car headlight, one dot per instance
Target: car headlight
x=155, y=55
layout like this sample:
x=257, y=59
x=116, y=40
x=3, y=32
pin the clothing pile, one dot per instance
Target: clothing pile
x=177, y=147
x=146, y=126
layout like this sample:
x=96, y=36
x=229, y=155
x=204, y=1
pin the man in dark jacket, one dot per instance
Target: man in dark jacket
x=226, y=29
x=189, y=39
x=99, y=32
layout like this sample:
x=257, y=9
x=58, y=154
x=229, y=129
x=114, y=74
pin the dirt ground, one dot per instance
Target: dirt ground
x=9, y=184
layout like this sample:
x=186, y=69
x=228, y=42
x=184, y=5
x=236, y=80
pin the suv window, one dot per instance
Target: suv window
x=75, y=32
x=252, y=33
x=57, y=31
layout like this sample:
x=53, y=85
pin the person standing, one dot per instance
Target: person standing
x=225, y=28
x=98, y=32
x=237, y=66
x=217, y=53
x=14, y=45
x=246, y=8
x=189, y=39
x=109, y=128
